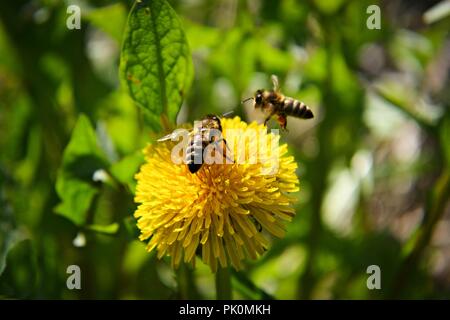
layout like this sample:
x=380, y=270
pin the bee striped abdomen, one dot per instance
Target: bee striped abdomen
x=194, y=154
x=297, y=109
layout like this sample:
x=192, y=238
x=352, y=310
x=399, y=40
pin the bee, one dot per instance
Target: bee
x=272, y=102
x=200, y=137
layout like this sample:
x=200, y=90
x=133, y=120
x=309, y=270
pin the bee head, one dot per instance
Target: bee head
x=258, y=98
x=212, y=121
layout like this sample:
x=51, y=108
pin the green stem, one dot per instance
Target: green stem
x=186, y=286
x=223, y=284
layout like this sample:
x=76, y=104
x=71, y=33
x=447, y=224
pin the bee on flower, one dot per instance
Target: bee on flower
x=224, y=212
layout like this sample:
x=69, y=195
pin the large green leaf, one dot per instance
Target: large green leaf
x=81, y=159
x=155, y=64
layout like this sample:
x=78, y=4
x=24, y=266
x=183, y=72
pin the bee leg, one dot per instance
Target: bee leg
x=271, y=110
x=225, y=154
x=268, y=118
x=226, y=145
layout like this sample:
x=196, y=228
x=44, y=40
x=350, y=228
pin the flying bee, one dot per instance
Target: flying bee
x=272, y=102
x=207, y=131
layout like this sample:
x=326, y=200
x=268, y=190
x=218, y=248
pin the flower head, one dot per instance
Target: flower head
x=224, y=211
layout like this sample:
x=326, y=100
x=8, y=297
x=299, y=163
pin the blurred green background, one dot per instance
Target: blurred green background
x=373, y=164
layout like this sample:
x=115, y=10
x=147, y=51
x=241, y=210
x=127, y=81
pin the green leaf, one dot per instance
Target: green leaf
x=156, y=65
x=81, y=159
x=109, y=229
x=437, y=12
x=126, y=168
x=10, y=235
x=130, y=228
x=110, y=19
x=329, y=7
x=8, y=239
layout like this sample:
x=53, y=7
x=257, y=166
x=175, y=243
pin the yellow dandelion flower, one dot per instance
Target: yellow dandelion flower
x=225, y=212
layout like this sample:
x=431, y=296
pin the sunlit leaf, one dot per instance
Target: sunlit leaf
x=125, y=169
x=329, y=7
x=201, y=36
x=156, y=64
x=273, y=58
x=110, y=19
x=104, y=229
x=81, y=159
x=437, y=12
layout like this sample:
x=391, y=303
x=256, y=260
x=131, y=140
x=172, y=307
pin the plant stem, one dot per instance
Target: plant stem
x=186, y=284
x=223, y=284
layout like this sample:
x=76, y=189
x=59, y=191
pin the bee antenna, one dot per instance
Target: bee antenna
x=226, y=114
x=244, y=101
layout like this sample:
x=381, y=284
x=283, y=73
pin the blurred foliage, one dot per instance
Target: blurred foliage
x=373, y=165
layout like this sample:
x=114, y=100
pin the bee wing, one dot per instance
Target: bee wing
x=276, y=84
x=173, y=135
